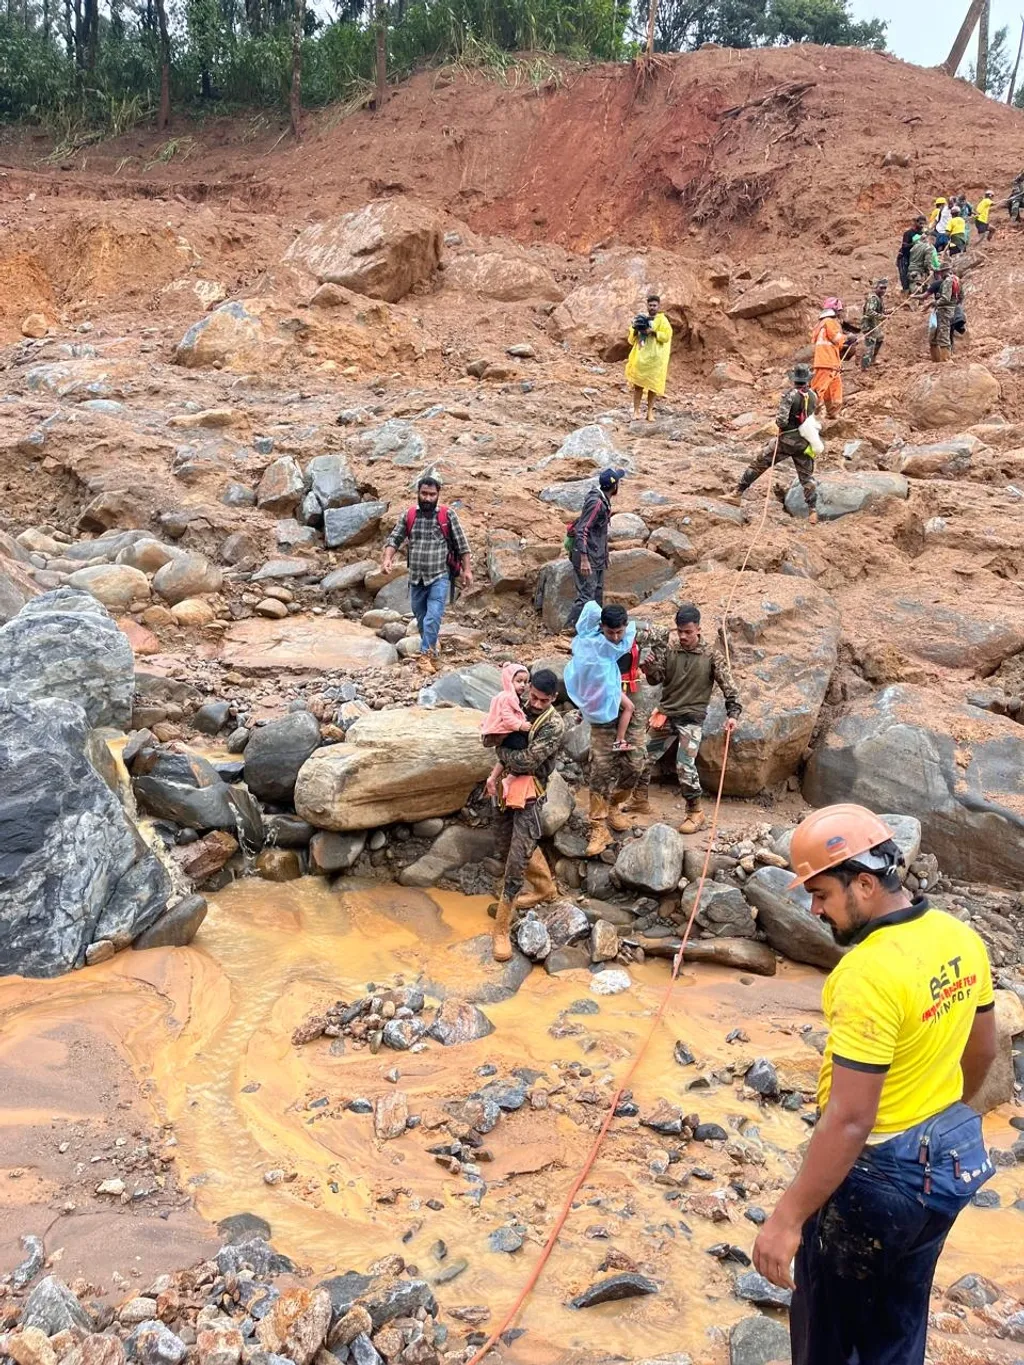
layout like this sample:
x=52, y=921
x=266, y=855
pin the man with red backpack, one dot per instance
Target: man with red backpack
x=439, y=558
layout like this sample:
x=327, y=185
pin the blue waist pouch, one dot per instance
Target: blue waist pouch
x=942, y=1162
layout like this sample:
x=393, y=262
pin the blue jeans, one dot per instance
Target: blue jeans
x=864, y=1275
x=428, y=602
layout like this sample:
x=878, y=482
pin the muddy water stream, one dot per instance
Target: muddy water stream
x=208, y=1032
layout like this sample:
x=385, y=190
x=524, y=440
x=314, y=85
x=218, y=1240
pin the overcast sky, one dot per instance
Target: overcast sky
x=924, y=33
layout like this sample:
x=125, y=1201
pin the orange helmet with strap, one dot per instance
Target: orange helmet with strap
x=834, y=835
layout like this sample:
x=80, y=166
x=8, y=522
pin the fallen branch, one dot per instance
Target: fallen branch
x=792, y=94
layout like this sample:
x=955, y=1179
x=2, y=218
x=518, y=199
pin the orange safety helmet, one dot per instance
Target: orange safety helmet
x=833, y=835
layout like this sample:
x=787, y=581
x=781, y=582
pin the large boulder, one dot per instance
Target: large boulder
x=785, y=918
x=276, y=752
x=783, y=640
x=353, y=525
x=183, y=787
x=115, y=585
x=770, y=297
x=63, y=644
x=188, y=575
x=632, y=576
x=281, y=487
x=654, y=862
x=331, y=484
x=951, y=396
x=16, y=585
x=841, y=494
x=73, y=868
x=944, y=460
x=383, y=249
x=394, y=765
x=304, y=644
x=501, y=275
x=235, y=336
x=979, y=638
x=958, y=769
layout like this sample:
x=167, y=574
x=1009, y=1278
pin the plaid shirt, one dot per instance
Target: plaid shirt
x=428, y=550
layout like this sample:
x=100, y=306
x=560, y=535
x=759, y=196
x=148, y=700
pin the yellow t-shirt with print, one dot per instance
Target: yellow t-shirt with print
x=983, y=210
x=902, y=1001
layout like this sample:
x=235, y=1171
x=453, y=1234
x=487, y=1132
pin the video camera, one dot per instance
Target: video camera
x=642, y=325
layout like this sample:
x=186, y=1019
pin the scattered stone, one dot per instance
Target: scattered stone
x=604, y=942
x=755, y=1289
x=532, y=937
x=612, y=981
x=152, y=1343
x=297, y=1324
x=186, y=576
x=390, y=1115
x=625, y=1286
x=973, y=1291
x=654, y=862
x=507, y=1239
x=276, y=752
x=457, y=1022
x=763, y=1078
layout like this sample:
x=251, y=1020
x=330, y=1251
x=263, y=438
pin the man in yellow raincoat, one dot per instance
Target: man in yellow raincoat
x=647, y=366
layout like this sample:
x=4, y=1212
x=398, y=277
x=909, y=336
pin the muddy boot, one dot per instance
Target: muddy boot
x=502, y=942
x=639, y=802
x=618, y=820
x=600, y=834
x=933, y=351
x=812, y=516
x=540, y=883
x=695, y=818
x=944, y=355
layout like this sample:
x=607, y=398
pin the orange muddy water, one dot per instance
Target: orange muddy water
x=207, y=1030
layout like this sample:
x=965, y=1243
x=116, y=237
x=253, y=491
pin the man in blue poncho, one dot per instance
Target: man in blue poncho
x=600, y=678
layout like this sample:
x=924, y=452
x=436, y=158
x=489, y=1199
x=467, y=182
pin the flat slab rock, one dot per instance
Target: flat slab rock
x=625, y=1286
x=302, y=644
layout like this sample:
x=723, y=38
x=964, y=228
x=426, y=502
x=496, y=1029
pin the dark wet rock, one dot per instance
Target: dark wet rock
x=664, y=1118
x=331, y=852
x=452, y=1271
x=211, y=718
x=627, y=1285
x=755, y=1214
x=457, y=1021
x=723, y=912
x=400, y=1034
x=566, y=960
x=277, y=751
x=74, y=870
x=682, y=1054
x=583, y=1007
x=64, y=645
x=507, y=1095
x=53, y=1308
x=183, y=788
x=243, y=1227
x=176, y=927
x=565, y=922
x=507, y=1239
x=973, y=1291
x=363, y=1352
x=763, y=1078
x=359, y=1106
x=987, y=1199
x=287, y=831
x=345, y=1290
x=479, y=1115
x=398, y=1299
x=532, y=937
x=725, y=1251
x=758, y=1341
x=785, y=918
x=755, y=1289
x=254, y=1252
x=710, y=1132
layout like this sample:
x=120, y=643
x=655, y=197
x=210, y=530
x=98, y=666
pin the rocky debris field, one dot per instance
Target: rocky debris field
x=210, y=425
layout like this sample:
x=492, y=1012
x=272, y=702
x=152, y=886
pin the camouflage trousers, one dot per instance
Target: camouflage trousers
x=517, y=834
x=611, y=771
x=769, y=458
x=873, y=343
x=686, y=736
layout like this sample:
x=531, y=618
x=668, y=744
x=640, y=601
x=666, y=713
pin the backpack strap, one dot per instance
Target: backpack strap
x=443, y=522
x=410, y=520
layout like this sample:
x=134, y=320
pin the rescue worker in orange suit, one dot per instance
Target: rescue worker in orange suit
x=831, y=345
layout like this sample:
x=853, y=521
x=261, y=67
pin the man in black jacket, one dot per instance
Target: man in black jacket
x=589, y=555
x=917, y=229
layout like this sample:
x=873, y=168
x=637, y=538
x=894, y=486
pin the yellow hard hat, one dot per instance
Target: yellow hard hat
x=938, y=202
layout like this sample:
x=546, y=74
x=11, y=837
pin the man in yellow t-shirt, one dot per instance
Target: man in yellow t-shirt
x=982, y=213
x=911, y=1034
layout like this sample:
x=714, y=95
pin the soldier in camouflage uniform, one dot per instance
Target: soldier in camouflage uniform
x=872, y=317
x=795, y=406
x=944, y=294
x=688, y=670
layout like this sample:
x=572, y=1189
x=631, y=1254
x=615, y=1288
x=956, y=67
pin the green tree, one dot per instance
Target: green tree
x=1000, y=64
x=684, y=25
x=827, y=22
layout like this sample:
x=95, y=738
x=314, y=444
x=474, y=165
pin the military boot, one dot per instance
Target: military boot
x=600, y=834
x=540, y=882
x=695, y=818
x=618, y=820
x=501, y=938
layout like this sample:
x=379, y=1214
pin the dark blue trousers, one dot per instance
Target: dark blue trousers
x=864, y=1276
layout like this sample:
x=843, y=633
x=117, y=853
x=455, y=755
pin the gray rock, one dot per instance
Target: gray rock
x=237, y=1228
x=349, y=576
x=187, y=575
x=723, y=912
x=674, y=545
x=331, y=482
x=841, y=494
x=507, y=1095
x=35, y=1255
x=628, y=1285
x=897, y=750
x=456, y=846
x=52, y=1308
x=568, y=497
x=400, y=1034
x=507, y=1239
x=398, y=1299
x=63, y=644
x=288, y=831
x=566, y=960
x=275, y=753
x=755, y=1289
x=763, y=1078
x=626, y=526
x=345, y=1290
x=758, y=1341
x=457, y=1021
x=73, y=867
x=154, y=1344
x=281, y=488
x=294, y=536
x=330, y=852
x=565, y=922
x=353, y=525
x=362, y=1351
x=973, y=1291
x=238, y=495
x=176, y=927
x=653, y=862
x=473, y=687
x=786, y=921
x=211, y=718
x=184, y=788
x=532, y=937
x=284, y=568
x=256, y=1253
x=395, y=440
